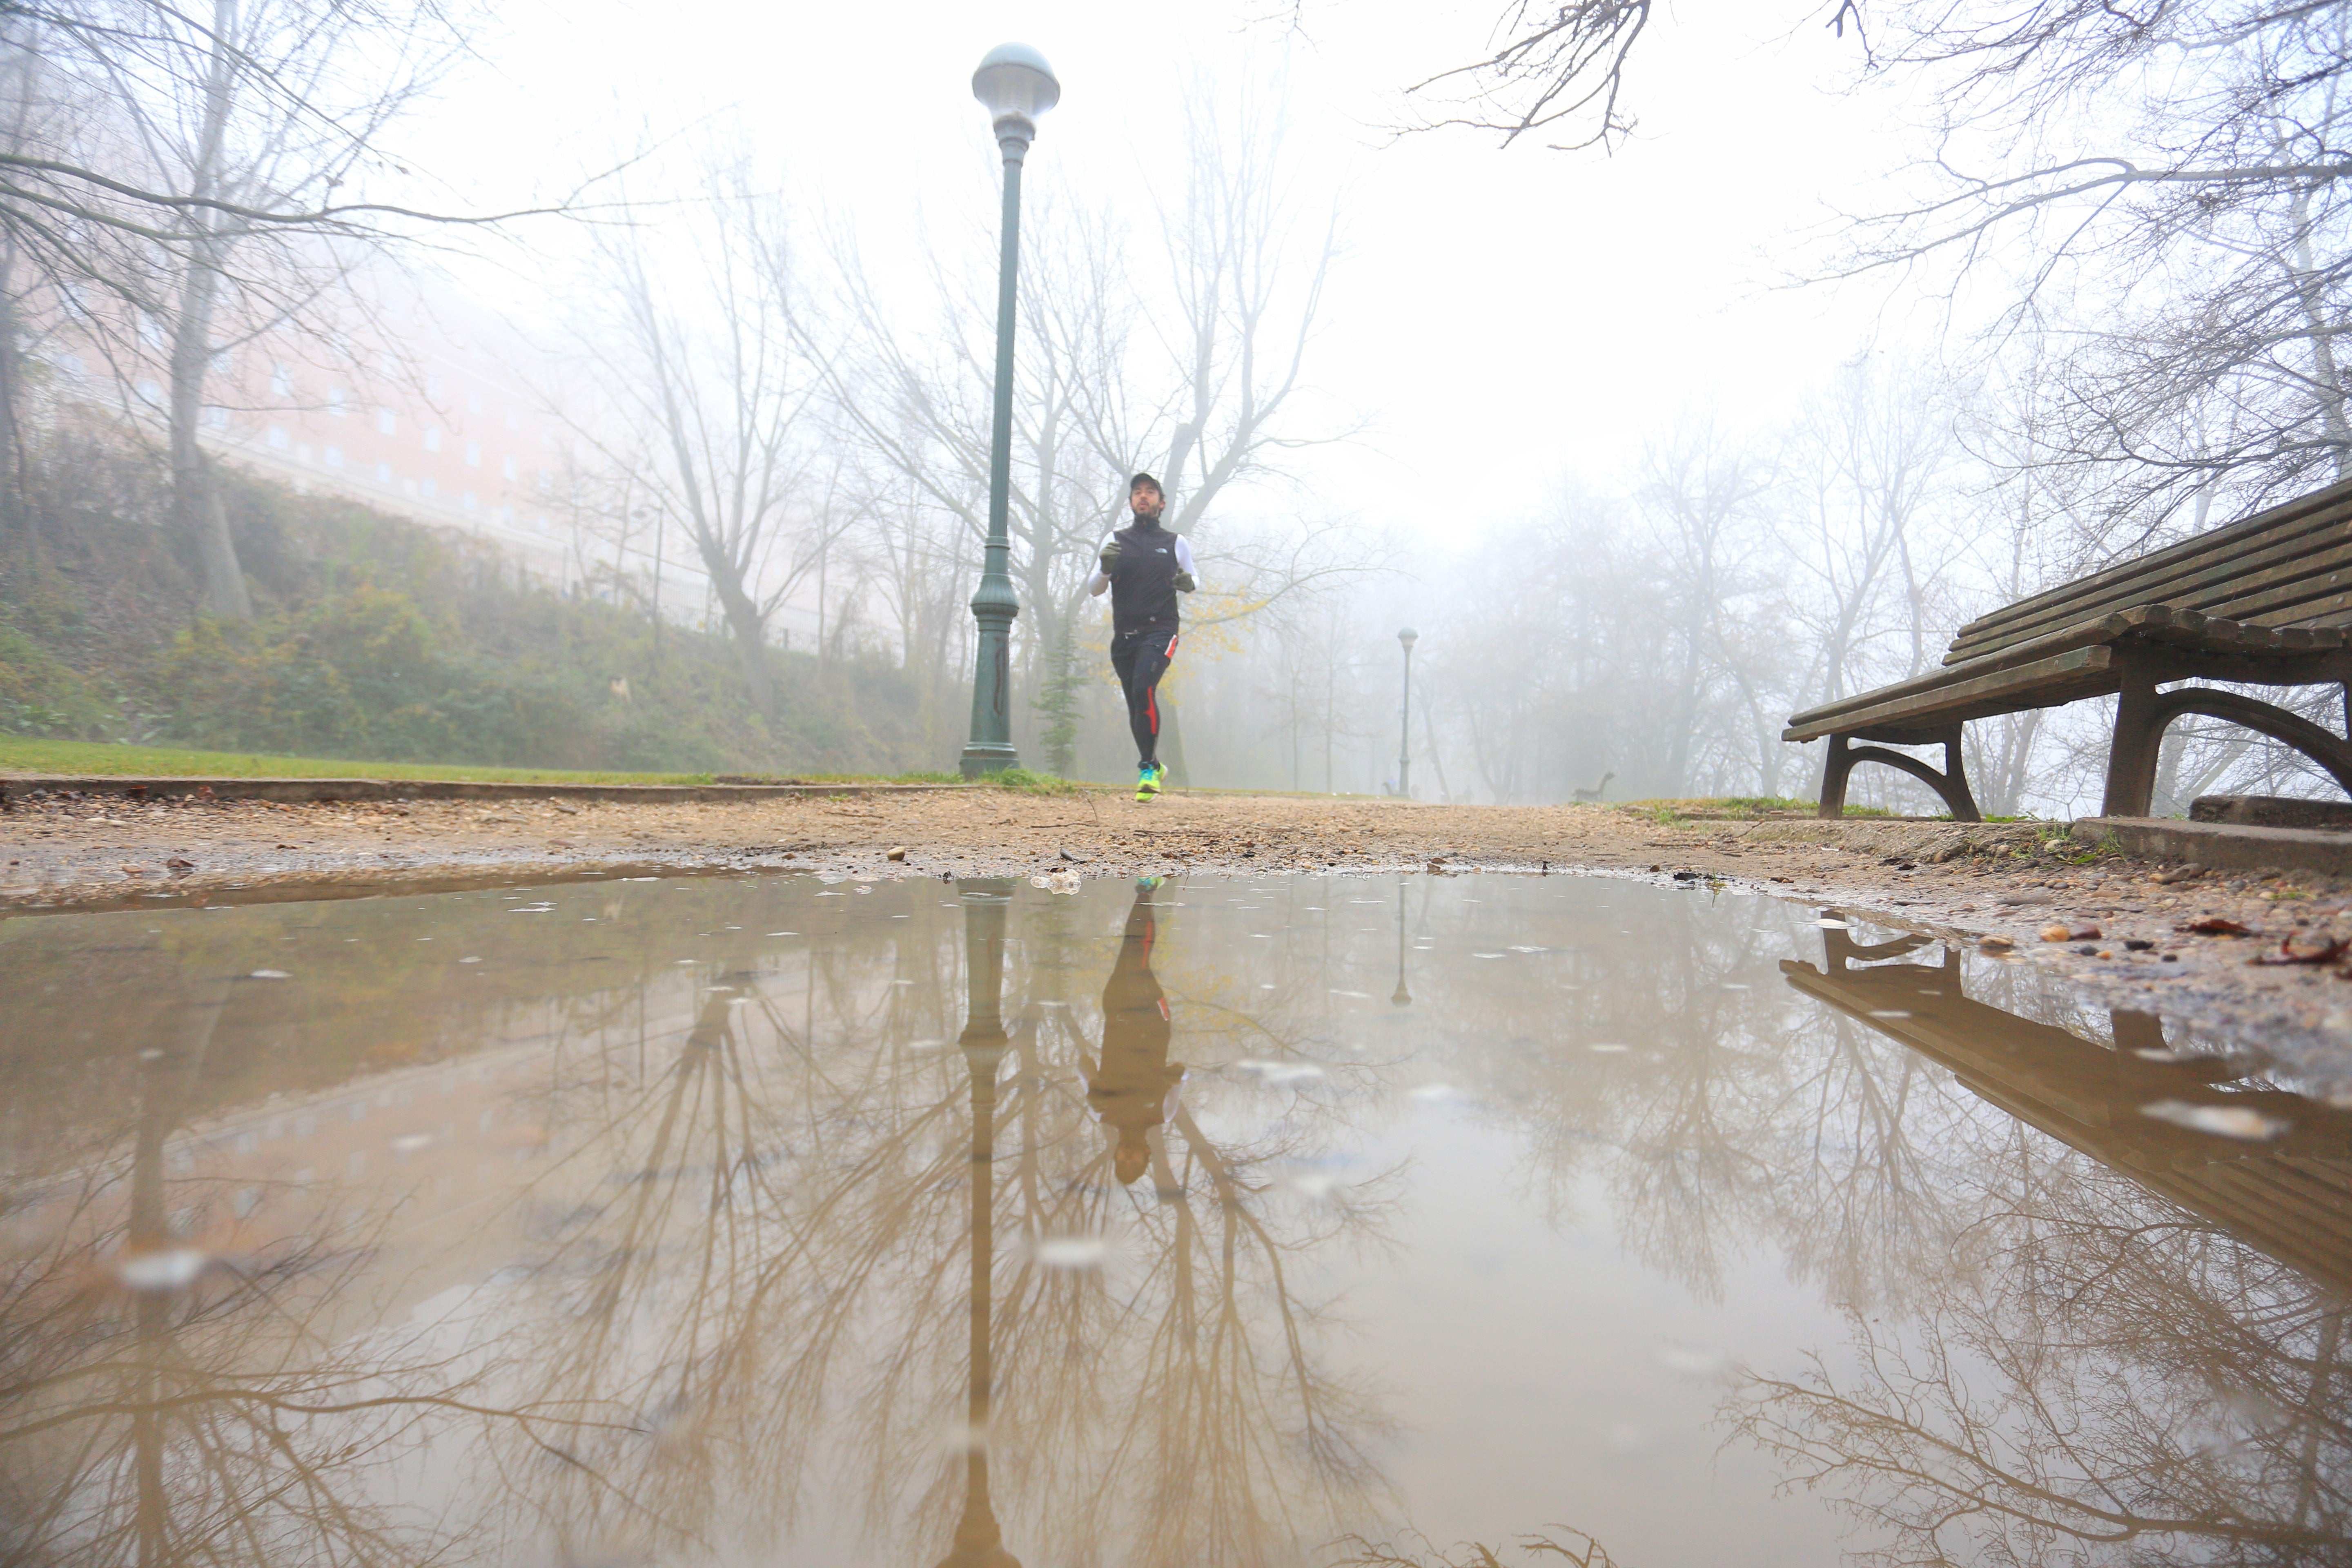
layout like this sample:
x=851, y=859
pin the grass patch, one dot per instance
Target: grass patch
x=1029, y=782
x=1736, y=808
x=21, y=753
x=24, y=753
x=1752, y=807
x=933, y=777
x=1023, y=779
x=1757, y=805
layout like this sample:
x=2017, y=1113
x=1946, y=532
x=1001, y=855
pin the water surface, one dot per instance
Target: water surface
x=760, y=1220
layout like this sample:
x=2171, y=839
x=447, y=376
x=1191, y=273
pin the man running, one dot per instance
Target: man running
x=1144, y=566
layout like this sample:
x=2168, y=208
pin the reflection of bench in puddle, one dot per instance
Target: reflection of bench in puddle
x=2290, y=1197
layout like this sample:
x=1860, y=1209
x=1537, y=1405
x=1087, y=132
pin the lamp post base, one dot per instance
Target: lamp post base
x=987, y=757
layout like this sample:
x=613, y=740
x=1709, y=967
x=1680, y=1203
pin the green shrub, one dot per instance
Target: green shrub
x=42, y=694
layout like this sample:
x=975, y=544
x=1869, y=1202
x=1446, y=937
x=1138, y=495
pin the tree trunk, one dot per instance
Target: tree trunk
x=748, y=630
x=196, y=507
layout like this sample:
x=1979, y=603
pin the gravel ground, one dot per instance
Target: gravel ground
x=2122, y=927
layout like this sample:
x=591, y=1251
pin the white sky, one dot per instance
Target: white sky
x=1500, y=317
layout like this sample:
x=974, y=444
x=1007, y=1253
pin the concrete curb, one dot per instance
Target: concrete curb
x=2228, y=847
x=19, y=785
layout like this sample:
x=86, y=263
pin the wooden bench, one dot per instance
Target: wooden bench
x=2265, y=601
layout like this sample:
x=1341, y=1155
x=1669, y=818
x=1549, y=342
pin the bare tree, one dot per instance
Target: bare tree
x=2164, y=199
x=199, y=197
x=1700, y=486
x=710, y=398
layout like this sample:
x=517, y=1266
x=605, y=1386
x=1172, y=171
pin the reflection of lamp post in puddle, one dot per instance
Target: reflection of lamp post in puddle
x=978, y=1541
x=1401, y=997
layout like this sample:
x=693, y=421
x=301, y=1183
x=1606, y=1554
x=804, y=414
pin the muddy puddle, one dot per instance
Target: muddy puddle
x=763, y=1221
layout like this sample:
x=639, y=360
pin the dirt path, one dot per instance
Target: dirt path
x=1962, y=884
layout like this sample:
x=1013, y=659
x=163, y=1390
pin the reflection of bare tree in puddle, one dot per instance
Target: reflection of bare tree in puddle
x=1532, y=1551
x=2131, y=1358
x=176, y=1398
x=764, y=1298
x=1669, y=1118
x=2120, y=1379
x=2153, y=1402
x=1180, y=1415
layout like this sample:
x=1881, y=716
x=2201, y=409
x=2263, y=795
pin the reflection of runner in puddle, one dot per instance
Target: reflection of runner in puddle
x=1132, y=1087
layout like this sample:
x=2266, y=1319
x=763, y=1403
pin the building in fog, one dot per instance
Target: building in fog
x=422, y=405
x=440, y=424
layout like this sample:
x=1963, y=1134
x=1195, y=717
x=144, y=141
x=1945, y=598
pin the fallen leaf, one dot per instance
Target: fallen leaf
x=2214, y=925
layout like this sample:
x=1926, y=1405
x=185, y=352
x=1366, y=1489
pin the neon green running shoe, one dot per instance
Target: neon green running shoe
x=1146, y=782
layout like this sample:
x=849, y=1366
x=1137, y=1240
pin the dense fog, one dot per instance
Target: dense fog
x=680, y=404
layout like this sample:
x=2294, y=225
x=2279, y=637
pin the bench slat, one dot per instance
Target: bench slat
x=2045, y=683
x=2311, y=551
x=2106, y=629
x=2313, y=511
x=2164, y=623
x=2298, y=571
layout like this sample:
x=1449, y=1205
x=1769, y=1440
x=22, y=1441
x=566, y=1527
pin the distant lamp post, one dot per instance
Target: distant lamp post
x=1404, y=739
x=1016, y=85
x=1401, y=997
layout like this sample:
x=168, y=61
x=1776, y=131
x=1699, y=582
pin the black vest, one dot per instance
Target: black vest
x=1143, y=583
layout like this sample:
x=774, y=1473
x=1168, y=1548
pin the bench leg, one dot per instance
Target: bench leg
x=2131, y=757
x=1836, y=763
x=1955, y=788
x=1951, y=784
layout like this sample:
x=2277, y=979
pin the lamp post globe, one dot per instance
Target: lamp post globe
x=1015, y=85
x=1405, y=639
x=1013, y=82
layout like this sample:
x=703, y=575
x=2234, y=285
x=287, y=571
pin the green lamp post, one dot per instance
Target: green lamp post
x=1016, y=85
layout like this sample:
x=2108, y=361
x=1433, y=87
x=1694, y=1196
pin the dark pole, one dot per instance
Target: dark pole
x=1016, y=85
x=1401, y=997
x=661, y=529
x=979, y=1543
x=1406, y=637
x=995, y=605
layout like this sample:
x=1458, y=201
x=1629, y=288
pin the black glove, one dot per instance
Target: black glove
x=1110, y=556
x=1184, y=583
